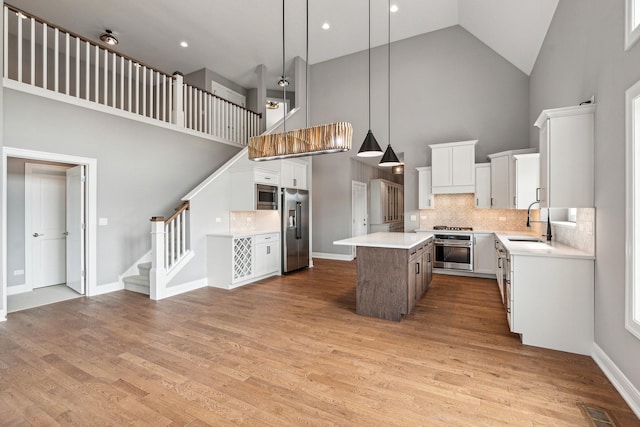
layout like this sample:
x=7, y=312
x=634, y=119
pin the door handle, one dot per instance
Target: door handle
x=37, y=235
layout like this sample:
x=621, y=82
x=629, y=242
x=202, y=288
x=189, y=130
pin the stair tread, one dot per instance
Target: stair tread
x=144, y=265
x=137, y=280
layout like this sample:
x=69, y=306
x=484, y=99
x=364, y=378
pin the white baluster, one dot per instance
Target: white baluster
x=157, y=95
x=121, y=83
x=137, y=92
x=178, y=100
x=19, y=49
x=172, y=83
x=207, y=100
x=5, y=38
x=164, y=98
x=144, y=90
x=67, y=62
x=33, y=51
x=183, y=232
x=114, y=72
x=129, y=85
x=45, y=70
x=105, y=78
x=166, y=247
x=172, y=243
x=77, y=67
x=56, y=61
x=87, y=71
x=96, y=90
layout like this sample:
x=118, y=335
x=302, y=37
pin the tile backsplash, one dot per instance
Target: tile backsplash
x=458, y=210
x=253, y=222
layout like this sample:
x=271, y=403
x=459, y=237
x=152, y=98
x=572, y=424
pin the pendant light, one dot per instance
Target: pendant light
x=370, y=147
x=389, y=158
x=324, y=139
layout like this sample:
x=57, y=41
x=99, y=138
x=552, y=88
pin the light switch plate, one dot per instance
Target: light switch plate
x=103, y=221
x=413, y=217
x=218, y=219
x=18, y=272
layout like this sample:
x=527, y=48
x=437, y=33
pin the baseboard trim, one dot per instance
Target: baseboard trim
x=337, y=257
x=18, y=289
x=172, y=291
x=629, y=393
x=107, y=288
x=3, y=315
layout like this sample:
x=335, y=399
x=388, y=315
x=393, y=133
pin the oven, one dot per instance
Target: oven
x=453, y=251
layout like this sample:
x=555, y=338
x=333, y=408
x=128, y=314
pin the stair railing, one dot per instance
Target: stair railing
x=42, y=58
x=169, y=245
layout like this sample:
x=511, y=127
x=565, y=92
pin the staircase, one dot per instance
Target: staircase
x=140, y=282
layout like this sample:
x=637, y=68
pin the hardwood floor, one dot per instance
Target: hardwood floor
x=289, y=351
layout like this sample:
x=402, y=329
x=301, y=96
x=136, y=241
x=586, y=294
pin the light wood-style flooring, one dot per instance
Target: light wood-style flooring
x=290, y=351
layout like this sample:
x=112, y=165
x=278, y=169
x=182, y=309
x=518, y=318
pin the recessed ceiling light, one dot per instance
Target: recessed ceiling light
x=394, y=8
x=326, y=26
x=184, y=44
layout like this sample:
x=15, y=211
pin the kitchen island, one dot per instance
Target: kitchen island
x=393, y=272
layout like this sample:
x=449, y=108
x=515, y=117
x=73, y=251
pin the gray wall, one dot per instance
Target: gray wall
x=583, y=54
x=203, y=77
x=446, y=86
x=143, y=170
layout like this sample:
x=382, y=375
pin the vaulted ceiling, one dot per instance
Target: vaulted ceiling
x=233, y=37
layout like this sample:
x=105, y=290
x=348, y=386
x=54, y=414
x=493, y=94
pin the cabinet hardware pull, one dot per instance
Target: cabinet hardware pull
x=538, y=194
x=417, y=268
x=514, y=201
x=492, y=201
x=477, y=201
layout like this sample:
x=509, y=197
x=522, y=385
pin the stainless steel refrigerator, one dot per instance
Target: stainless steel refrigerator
x=295, y=229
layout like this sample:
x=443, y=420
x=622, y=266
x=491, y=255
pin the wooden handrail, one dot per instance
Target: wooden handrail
x=183, y=207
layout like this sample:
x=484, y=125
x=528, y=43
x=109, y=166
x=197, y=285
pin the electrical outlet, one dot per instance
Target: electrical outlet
x=103, y=221
x=218, y=219
x=413, y=218
x=502, y=218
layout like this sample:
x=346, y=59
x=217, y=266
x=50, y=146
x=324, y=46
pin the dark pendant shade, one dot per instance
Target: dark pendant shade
x=389, y=158
x=370, y=147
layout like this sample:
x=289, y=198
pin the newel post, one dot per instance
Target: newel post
x=177, y=109
x=158, y=272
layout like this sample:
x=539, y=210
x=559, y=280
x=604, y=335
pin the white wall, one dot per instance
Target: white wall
x=143, y=170
x=583, y=54
x=445, y=86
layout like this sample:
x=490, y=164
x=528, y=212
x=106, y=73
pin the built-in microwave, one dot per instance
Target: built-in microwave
x=266, y=197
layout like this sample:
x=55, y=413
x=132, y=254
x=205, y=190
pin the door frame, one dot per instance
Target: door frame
x=28, y=212
x=364, y=185
x=91, y=173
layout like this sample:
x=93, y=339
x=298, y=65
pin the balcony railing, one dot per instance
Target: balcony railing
x=39, y=54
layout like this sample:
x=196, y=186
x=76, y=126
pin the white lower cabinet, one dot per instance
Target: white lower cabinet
x=484, y=255
x=550, y=302
x=234, y=261
x=267, y=254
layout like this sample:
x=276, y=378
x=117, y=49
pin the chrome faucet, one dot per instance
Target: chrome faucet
x=548, y=235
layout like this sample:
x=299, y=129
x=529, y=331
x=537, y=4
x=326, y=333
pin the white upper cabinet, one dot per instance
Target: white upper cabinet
x=243, y=186
x=293, y=174
x=527, y=179
x=504, y=180
x=425, y=197
x=566, y=157
x=453, y=167
x=483, y=185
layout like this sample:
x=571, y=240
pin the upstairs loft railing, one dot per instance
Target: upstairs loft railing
x=40, y=54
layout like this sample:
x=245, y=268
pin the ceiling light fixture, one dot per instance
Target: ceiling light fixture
x=326, y=26
x=272, y=105
x=109, y=38
x=184, y=44
x=369, y=147
x=323, y=139
x=389, y=158
x=284, y=81
x=393, y=8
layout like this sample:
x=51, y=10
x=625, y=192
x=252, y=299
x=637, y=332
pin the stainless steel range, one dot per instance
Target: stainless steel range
x=453, y=251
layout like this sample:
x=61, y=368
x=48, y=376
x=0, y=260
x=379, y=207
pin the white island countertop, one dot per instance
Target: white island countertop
x=385, y=240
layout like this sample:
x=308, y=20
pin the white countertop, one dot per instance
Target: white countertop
x=385, y=240
x=541, y=248
x=243, y=234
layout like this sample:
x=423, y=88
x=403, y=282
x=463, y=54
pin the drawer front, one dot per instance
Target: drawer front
x=264, y=177
x=266, y=238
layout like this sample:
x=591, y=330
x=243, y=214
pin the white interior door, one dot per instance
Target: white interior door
x=45, y=220
x=75, y=229
x=359, y=212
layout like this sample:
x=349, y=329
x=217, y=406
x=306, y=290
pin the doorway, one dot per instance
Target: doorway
x=359, y=211
x=58, y=237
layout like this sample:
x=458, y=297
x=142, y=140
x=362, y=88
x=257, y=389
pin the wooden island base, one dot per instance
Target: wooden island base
x=390, y=281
